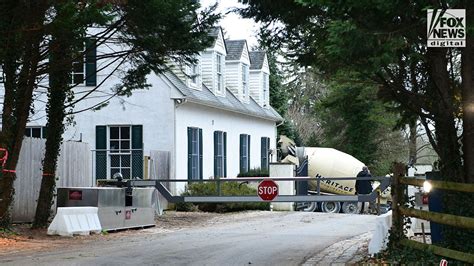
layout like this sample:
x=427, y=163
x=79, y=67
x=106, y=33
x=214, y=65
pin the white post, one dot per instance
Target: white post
x=284, y=187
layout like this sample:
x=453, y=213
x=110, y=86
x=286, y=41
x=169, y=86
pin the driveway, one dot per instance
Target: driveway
x=259, y=238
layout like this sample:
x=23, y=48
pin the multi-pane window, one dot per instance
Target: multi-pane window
x=194, y=153
x=35, y=132
x=265, y=152
x=84, y=66
x=265, y=89
x=119, y=149
x=244, y=153
x=245, y=79
x=120, y=152
x=220, y=76
x=79, y=68
x=220, y=150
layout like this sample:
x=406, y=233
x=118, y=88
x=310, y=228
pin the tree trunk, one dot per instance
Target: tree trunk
x=18, y=94
x=60, y=62
x=467, y=59
x=449, y=150
x=412, y=147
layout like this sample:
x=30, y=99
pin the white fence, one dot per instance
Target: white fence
x=74, y=169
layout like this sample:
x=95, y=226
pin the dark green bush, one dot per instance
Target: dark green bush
x=227, y=189
x=256, y=172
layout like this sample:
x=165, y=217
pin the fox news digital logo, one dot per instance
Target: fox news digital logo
x=446, y=28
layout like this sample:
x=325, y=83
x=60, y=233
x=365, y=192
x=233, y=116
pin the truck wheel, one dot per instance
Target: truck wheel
x=330, y=206
x=312, y=206
x=350, y=207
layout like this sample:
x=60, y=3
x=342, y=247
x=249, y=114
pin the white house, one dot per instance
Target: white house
x=213, y=118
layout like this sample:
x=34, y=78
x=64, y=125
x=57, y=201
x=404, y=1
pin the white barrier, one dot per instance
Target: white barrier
x=70, y=221
x=380, y=236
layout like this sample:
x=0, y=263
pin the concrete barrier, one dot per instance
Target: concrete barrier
x=380, y=237
x=71, y=221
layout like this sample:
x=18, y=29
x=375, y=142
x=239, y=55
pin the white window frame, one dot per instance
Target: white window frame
x=266, y=155
x=245, y=153
x=265, y=88
x=220, y=153
x=219, y=73
x=82, y=54
x=245, y=79
x=193, y=73
x=195, y=160
x=119, y=153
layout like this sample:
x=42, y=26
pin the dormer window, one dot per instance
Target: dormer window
x=194, y=72
x=220, y=76
x=245, y=79
x=265, y=89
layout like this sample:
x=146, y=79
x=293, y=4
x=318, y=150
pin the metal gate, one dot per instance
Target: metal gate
x=318, y=197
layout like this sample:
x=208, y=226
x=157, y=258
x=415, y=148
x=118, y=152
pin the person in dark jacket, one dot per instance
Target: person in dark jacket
x=363, y=186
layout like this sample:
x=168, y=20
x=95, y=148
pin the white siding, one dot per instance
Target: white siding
x=179, y=69
x=256, y=82
x=220, y=44
x=265, y=67
x=183, y=72
x=211, y=119
x=234, y=78
x=245, y=55
x=208, y=69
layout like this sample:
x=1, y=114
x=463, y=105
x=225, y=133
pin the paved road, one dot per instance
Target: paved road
x=270, y=238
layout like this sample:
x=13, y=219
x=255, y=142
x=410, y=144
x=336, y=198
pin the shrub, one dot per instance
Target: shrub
x=227, y=189
x=256, y=172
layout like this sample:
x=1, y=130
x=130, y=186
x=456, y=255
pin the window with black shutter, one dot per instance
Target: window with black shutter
x=194, y=153
x=220, y=154
x=84, y=68
x=265, y=149
x=244, y=153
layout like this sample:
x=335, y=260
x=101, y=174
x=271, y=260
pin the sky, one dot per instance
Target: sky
x=235, y=27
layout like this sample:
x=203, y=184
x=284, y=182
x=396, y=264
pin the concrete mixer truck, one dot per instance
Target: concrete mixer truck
x=328, y=162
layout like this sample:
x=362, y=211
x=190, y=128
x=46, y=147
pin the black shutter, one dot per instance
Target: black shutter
x=190, y=147
x=267, y=153
x=262, y=152
x=101, y=153
x=91, y=62
x=241, y=152
x=225, y=154
x=200, y=153
x=137, y=152
x=248, y=153
x=215, y=154
x=44, y=132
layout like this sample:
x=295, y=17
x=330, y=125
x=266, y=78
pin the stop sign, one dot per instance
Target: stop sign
x=267, y=189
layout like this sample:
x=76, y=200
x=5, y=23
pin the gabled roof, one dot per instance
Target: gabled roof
x=256, y=59
x=229, y=103
x=214, y=33
x=234, y=49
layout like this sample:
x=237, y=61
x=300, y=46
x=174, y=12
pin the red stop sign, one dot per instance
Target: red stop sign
x=267, y=189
